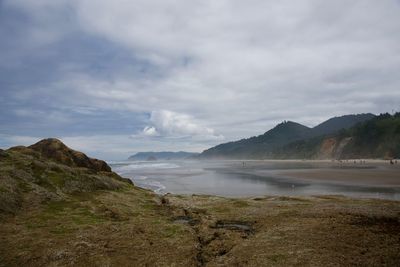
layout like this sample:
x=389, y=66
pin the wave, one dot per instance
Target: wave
x=139, y=177
x=122, y=168
x=155, y=186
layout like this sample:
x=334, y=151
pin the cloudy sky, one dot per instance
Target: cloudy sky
x=112, y=78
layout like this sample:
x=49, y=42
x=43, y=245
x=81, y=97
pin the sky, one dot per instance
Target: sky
x=112, y=78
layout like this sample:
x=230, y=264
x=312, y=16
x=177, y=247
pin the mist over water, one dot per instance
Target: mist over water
x=238, y=179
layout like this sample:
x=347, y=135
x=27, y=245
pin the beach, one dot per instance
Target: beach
x=378, y=173
x=251, y=178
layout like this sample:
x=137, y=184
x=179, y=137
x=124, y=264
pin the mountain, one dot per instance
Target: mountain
x=378, y=137
x=337, y=123
x=266, y=145
x=260, y=146
x=162, y=155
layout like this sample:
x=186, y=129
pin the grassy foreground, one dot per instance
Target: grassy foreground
x=52, y=214
x=133, y=227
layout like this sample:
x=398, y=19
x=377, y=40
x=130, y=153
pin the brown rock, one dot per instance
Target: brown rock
x=55, y=150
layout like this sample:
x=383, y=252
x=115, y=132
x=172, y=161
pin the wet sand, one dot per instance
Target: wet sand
x=236, y=178
x=369, y=177
x=377, y=173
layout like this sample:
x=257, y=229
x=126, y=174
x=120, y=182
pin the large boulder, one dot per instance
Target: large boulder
x=57, y=151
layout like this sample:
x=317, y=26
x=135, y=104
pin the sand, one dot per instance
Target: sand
x=378, y=173
x=369, y=172
x=376, y=177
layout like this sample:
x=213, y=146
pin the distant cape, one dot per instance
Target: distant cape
x=165, y=155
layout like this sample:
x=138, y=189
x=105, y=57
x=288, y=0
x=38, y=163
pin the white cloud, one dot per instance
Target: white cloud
x=177, y=125
x=232, y=62
x=150, y=131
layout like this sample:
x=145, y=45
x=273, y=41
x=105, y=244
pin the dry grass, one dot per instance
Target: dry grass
x=132, y=227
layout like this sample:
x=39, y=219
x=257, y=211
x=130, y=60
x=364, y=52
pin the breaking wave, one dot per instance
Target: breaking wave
x=132, y=166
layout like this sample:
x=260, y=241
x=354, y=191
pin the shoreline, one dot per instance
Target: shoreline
x=365, y=178
x=372, y=172
x=234, y=179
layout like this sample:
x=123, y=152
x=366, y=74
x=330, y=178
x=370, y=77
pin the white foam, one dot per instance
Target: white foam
x=144, y=165
x=139, y=177
x=156, y=186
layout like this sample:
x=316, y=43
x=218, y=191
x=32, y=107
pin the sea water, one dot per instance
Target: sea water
x=237, y=179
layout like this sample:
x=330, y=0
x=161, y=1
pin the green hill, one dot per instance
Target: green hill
x=274, y=143
x=378, y=137
x=260, y=146
x=343, y=122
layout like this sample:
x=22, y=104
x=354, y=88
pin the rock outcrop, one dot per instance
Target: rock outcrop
x=55, y=150
x=327, y=148
x=332, y=147
x=50, y=171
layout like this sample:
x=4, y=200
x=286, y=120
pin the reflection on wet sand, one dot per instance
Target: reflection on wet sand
x=376, y=179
